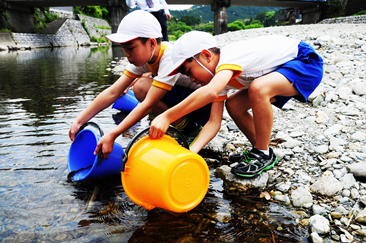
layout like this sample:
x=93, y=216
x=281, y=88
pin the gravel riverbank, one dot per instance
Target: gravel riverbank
x=321, y=144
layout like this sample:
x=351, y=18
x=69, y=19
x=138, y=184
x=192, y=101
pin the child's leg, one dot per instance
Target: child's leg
x=238, y=106
x=261, y=93
x=141, y=87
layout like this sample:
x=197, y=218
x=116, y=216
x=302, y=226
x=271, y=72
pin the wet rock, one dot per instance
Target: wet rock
x=237, y=185
x=283, y=199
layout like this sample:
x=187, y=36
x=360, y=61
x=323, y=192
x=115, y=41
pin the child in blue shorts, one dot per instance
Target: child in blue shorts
x=265, y=70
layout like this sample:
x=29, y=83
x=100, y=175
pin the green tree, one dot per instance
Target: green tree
x=271, y=18
x=190, y=20
x=254, y=22
x=261, y=16
x=99, y=12
x=179, y=26
x=209, y=28
x=236, y=25
x=335, y=8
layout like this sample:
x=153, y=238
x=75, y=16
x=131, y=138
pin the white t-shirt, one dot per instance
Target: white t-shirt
x=253, y=58
x=158, y=5
x=160, y=69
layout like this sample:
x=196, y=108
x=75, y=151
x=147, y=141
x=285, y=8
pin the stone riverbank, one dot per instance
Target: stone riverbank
x=321, y=144
x=60, y=33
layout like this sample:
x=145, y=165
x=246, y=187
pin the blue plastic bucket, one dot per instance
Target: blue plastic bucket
x=126, y=103
x=83, y=164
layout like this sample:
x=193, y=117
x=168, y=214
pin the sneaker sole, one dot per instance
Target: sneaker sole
x=259, y=172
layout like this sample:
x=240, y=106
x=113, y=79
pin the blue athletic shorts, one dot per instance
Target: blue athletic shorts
x=305, y=72
x=179, y=93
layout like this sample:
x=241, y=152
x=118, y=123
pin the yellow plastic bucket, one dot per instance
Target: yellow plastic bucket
x=161, y=173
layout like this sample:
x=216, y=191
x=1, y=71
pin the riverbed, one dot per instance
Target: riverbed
x=41, y=92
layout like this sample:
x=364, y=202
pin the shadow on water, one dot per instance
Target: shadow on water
x=41, y=93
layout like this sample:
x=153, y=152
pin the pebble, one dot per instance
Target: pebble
x=321, y=146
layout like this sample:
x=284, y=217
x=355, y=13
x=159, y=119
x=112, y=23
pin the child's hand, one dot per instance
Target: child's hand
x=159, y=126
x=73, y=130
x=106, y=145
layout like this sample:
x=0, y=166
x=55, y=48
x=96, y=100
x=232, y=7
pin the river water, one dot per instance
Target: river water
x=41, y=92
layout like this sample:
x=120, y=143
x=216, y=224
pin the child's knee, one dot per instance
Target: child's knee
x=257, y=90
x=141, y=87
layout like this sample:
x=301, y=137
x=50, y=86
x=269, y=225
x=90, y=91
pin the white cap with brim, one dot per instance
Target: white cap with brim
x=188, y=45
x=134, y=25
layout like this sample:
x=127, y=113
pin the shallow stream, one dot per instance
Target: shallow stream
x=41, y=92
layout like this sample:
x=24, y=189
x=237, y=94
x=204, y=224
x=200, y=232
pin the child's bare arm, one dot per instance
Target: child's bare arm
x=196, y=100
x=211, y=128
x=154, y=95
x=102, y=101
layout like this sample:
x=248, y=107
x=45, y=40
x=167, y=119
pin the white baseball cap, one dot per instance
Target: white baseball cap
x=136, y=24
x=188, y=45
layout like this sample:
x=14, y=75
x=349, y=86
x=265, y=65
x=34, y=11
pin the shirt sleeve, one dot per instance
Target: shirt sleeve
x=133, y=72
x=131, y=3
x=165, y=5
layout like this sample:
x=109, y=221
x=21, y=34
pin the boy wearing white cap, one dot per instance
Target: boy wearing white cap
x=265, y=70
x=139, y=34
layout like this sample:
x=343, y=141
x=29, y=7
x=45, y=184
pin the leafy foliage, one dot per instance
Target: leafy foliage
x=334, y=9
x=200, y=17
x=204, y=13
x=360, y=13
x=190, y=20
x=41, y=17
x=100, y=12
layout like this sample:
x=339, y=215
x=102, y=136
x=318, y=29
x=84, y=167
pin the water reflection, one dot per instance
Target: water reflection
x=48, y=78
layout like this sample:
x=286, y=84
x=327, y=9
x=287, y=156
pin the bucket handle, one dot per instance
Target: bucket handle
x=134, y=139
x=93, y=124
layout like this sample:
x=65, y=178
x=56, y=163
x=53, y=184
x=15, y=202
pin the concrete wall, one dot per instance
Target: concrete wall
x=18, y=19
x=360, y=19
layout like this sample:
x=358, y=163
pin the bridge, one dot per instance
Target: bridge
x=310, y=9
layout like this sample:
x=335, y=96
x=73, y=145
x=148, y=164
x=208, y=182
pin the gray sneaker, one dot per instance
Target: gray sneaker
x=255, y=163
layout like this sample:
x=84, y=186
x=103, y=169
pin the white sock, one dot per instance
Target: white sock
x=266, y=152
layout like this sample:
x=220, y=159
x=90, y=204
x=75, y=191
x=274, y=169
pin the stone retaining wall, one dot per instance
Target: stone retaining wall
x=71, y=33
x=360, y=19
x=92, y=23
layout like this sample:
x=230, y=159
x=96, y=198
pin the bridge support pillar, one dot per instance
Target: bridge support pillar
x=16, y=18
x=311, y=15
x=118, y=10
x=220, y=15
